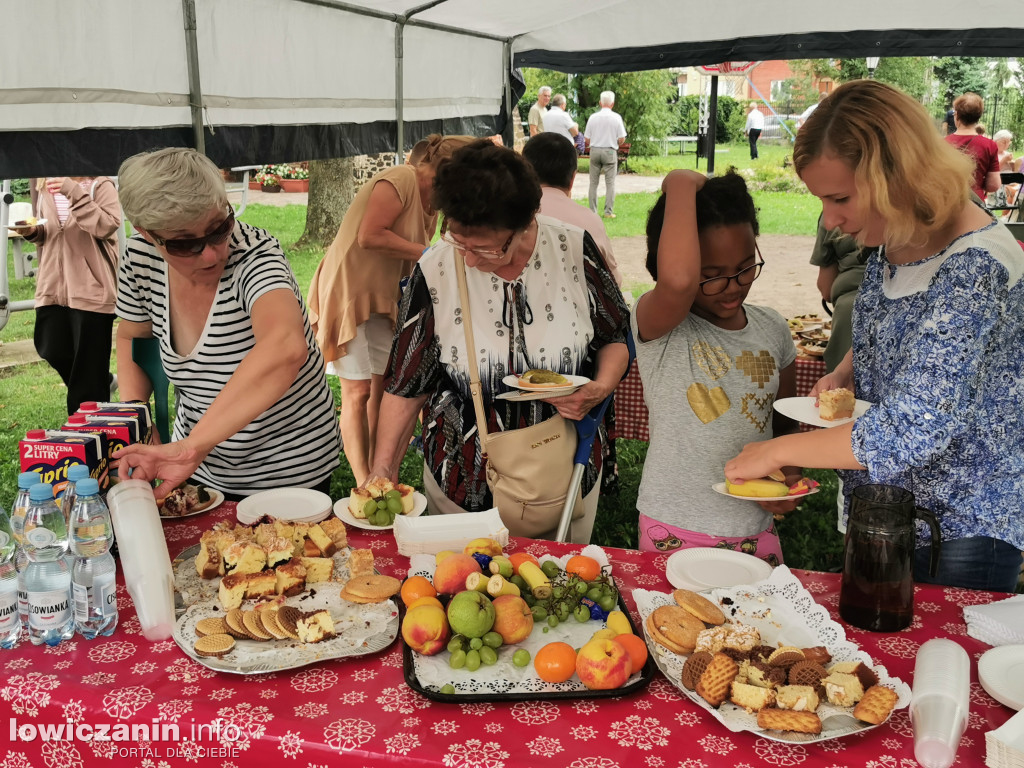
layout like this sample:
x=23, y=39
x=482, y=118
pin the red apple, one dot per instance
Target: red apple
x=603, y=664
x=513, y=619
x=450, y=574
x=425, y=629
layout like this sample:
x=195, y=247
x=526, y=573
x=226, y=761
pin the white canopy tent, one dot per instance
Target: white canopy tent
x=88, y=84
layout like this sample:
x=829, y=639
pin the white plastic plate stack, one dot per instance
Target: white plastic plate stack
x=296, y=505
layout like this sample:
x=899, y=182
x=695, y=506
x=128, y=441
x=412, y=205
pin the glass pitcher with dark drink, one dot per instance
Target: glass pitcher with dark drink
x=877, y=591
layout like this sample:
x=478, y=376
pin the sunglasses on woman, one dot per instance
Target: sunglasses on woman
x=483, y=253
x=188, y=247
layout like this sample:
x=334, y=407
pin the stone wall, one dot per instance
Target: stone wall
x=368, y=166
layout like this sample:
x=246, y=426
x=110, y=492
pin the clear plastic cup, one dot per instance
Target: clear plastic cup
x=939, y=703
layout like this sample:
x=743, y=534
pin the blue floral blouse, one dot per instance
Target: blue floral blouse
x=939, y=349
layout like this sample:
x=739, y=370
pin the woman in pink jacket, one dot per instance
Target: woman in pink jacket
x=76, y=281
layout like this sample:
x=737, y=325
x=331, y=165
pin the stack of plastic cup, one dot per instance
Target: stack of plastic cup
x=145, y=561
x=939, y=702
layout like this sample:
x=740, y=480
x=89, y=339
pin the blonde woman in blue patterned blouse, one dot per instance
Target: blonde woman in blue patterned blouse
x=938, y=329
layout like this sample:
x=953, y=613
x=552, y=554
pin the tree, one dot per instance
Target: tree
x=534, y=79
x=332, y=185
x=911, y=74
x=642, y=98
x=959, y=74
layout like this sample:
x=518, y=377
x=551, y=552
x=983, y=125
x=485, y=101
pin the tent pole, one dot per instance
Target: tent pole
x=509, y=132
x=712, y=123
x=195, y=92
x=400, y=91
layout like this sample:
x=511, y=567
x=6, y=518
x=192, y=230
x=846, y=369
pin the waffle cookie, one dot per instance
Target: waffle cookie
x=699, y=606
x=786, y=656
x=288, y=618
x=674, y=628
x=236, y=628
x=213, y=625
x=876, y=704
x=268, y=617
x=789, y=720
x=214, y=646
x=694, y=667
x=807, y=673
x=251, y=621
x=714, y=684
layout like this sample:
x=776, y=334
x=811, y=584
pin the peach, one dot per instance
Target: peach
x=450, y=574
x=513, y=619
x=425, y=629
x=483, y=546
x=603, y=665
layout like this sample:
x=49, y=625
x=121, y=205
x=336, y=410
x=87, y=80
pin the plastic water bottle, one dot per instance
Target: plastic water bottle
x=21, y=503
x=76, y=472
x=10, y=618
x=47, y=578
x=939, y=701
x=92, y=577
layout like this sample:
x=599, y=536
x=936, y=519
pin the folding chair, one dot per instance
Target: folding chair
x=146, y=355
x=586, y=433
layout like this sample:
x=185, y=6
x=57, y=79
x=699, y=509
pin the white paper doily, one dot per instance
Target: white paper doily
x=784, y=613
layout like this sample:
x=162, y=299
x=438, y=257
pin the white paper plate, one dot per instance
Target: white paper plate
x=804, y=410
x=22, y=226
x=575, y=382
x=216, y=499
x=297, y=505
x=519, y=397
x=1001, y=673
x=703, y=568
x=720, y=488
x=419, y=506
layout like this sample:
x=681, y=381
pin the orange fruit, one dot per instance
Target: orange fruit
x=415, y=587
x=519, y=557
x=425, y=600
x=587, y=568
x=636, y=648
x=555, y=662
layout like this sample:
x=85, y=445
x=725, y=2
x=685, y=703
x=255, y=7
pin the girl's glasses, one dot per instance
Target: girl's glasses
x=483, y=253
x=193, y=246
x=715, y=285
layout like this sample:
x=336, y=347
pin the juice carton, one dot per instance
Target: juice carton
x=120, y=430
x=50, y=452
x=136, y=410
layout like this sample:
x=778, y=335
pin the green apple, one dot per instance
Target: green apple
x=471, y=613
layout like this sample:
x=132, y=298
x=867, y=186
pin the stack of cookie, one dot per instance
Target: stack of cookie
x=676, y=627
x=370, y=588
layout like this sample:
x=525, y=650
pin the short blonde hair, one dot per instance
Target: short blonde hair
x=901, y=166
x=170, y=189
x=440, y=148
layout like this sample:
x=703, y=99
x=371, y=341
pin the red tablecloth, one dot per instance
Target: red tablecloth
x=359, y=711
x=631, y=412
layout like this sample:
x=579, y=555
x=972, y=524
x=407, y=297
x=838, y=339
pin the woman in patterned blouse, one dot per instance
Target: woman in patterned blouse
x=540, y=296
x=938, y=329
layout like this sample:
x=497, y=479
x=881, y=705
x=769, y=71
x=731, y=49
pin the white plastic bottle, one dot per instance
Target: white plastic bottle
x=76, y=472
x=92, y=576
x=21, y=503
x=10, y=617
x=47, y=578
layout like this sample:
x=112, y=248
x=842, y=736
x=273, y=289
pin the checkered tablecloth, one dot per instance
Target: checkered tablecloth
x=631, y=412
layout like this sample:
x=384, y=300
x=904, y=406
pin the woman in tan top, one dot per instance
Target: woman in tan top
x=353, y=300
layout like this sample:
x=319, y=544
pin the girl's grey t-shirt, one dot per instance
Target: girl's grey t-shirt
x=709, y=392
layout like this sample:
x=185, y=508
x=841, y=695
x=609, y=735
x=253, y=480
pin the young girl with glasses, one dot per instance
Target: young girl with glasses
x=711, y=367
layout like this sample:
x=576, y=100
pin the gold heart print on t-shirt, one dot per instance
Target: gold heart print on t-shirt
x=759, y=368
x=707, y=404
x=763, y=405
x=714, y=361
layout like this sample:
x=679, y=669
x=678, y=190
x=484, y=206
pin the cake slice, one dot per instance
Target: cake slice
x=751, y=697
x=260, y=584
x=322, y=540
x=232, y=590
x=336, y=530
x=209, y=564
x=244, y=557
x=407, y=497
x=315, y=626
x=834, y=404
x=317, y=569
x=357, y=499
x=290, y=578
x=843, y=689
x=799, y=698
x=360, y=561
x=279, y=550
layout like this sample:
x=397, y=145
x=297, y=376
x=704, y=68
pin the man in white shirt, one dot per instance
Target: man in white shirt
x=753, y=128
x=537, y=111
x=555, y=164
x=605, y=133
x=557, y=120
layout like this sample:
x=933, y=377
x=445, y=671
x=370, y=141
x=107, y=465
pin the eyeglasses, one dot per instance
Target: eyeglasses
x=187, y=247
x=715, y=285
x=483, y=253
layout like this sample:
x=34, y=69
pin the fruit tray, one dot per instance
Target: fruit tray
x=506, y=682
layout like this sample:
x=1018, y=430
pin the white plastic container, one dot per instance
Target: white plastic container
x=430, y=534
x=145, y=561
x=939, y=703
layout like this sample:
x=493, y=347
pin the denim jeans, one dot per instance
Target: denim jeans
x=979, y=562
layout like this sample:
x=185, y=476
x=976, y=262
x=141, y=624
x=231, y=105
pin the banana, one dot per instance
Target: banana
x=501, y=565
x=497, y=586
x=757, y=488
x=477, y=581
x=484, y=546
x=619, y=622
x=536, y=580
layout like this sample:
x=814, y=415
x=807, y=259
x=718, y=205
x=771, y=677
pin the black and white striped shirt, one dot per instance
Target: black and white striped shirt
x=293, y=443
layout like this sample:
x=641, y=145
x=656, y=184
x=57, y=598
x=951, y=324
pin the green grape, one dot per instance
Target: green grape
x=539, y=612
x=448, y=689
x=458, y=659
x=488, y=656
x=529, y=599
x=391, y=517
x=492, y=640
x=369, y=507
x=557, y=592
x=582, y=614
x=594, y=593
x=381, y=504
x=476, y=643
x=457, y=643
x=563, y=611
x=581, y=588
x=521, y=657
x=394, y=506
x=380, y=518
x=550, y=568
x=394, y=493
x=520, y=582
x=546, y=630
x=607, y=603
x=553, y=620
x=473, y=661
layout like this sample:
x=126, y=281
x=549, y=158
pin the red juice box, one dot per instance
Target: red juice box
x=136, y=410
x=50, y=452
x=120, y=430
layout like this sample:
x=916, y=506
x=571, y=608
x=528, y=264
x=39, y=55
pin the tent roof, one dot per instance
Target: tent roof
x=280, y=80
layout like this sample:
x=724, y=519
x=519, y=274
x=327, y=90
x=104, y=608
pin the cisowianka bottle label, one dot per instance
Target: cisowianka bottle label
x=48, y=610
x=8, y=610
x=102, y=594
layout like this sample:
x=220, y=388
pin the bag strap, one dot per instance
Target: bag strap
x=474, y=372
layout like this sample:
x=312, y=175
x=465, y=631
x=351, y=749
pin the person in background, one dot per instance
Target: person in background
x=76, y=282
x=949, y=122
x=558, y=122
x=1007, y=193
x=938, y=329
x=353, y=299
x=538, y=110
x=967, y=111
x=605, y=133
x=840, y=260
x=254, y=411
x=555, y=164
x=806, y=114
x=753, y=127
